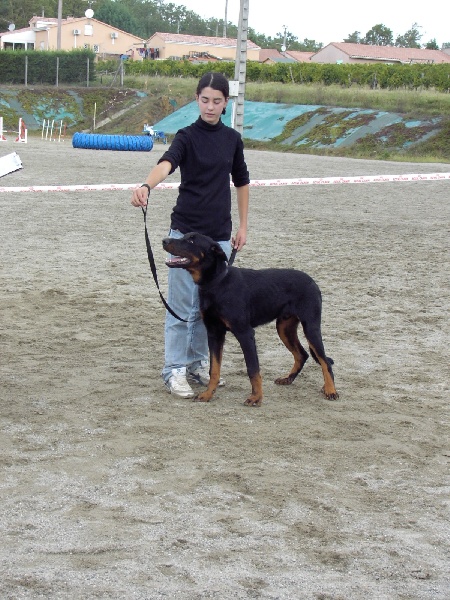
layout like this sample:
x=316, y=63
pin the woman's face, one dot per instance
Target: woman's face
x=211, y=104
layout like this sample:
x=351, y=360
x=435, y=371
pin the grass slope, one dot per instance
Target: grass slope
x=148, y=100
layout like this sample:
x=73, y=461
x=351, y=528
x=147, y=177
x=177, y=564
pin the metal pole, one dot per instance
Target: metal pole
x=240, y=66
x=58, y=34
x=87, y=78
x=26, y=70
x=225, y=20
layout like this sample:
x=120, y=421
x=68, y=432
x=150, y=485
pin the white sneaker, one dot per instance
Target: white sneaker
x=201, y=374
x=178, y=385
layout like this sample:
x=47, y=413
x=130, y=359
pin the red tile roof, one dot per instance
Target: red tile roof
x=299, y=56
x=15, y=31
x=180, y=38
x=275, y=55
x=404, y=55
x=269, y=53
x=35, y=19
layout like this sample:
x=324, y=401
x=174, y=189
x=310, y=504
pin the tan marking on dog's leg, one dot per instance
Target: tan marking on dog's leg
x=255, y=399
x=214, y=378
x=329, y=389
x=287, y=331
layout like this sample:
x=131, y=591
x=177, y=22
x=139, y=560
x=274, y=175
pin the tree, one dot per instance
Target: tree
x=148, y=17
x=286, y=38
x=173, y=16
x=258, y=38
x=20, y=13
x=76, y=8
x=310, y=45
x=353, y=38
x=142, y=18
x=117, y=15
x=432, y=45
x=379, y=35
x=410, y=39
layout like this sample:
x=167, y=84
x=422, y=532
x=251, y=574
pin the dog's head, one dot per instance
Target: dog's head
x=198, y=254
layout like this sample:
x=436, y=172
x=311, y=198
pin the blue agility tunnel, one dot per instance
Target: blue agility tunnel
x=98, y=141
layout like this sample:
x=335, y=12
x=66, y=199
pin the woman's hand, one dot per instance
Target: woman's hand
x=140, y=196
x=240, y=239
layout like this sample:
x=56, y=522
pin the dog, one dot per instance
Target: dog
x=239, y=299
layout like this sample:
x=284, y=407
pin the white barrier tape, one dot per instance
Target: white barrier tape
x=111, y=187
x=101, y=187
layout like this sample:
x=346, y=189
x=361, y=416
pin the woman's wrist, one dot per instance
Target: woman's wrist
x=147, y=186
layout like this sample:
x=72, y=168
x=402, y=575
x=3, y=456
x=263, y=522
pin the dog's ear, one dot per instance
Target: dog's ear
x=216, y=248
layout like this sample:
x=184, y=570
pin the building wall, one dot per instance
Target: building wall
x=360, y=53
x=178, y=50
x=331, y=54
x=105, y=40
x=92, y=33
x=23, y=40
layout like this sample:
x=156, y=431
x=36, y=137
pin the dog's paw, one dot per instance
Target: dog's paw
x=203, y=397
x=253, y=401
x=284, y=380
x=330, y=394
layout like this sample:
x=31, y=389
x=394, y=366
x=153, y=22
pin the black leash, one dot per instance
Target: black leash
x=232, y=257
x=151, y=260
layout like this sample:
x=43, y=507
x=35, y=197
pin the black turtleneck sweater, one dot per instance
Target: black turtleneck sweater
x=207, y=155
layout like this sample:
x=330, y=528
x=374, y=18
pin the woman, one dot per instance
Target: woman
x=207, y=153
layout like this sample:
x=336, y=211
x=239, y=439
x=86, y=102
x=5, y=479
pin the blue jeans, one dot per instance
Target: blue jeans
x=186, y=344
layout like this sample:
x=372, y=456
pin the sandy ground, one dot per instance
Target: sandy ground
x=111, y=488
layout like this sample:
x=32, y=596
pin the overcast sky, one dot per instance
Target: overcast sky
x=331, y=24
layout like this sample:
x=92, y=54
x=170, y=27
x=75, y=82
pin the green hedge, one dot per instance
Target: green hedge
x=73, y=69
x=416, y=76
x=42, y=67
x=170, y=68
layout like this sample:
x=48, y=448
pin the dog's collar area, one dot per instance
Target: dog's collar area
x=215, y=280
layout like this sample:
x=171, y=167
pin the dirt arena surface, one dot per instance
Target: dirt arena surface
x=112, y=488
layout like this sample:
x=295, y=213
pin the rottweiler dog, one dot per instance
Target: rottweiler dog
x=238, y=300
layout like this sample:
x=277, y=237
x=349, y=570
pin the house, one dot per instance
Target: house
x=82, y=32
x=179, y=46
x=271, y=56
x=299, y=56
x=343, y=52
x=18, y=39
